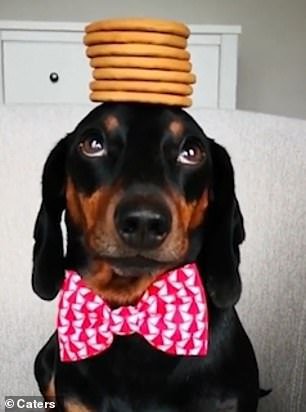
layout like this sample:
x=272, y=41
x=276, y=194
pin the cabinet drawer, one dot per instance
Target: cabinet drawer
x=28, y=68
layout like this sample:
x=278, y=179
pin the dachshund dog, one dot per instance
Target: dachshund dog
x=144, y=191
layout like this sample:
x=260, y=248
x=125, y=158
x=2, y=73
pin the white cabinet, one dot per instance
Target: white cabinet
x=46, y=63
x=42, y=72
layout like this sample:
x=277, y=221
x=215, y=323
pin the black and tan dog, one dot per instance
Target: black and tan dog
x=144, y=191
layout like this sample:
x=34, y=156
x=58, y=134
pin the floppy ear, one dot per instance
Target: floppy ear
x=48, y=255
x=224, y=232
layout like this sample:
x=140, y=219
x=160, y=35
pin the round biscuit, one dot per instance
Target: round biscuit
x=165, y=39
x=137, y=49
x=140, y=24
x=115, y=73
x=141, y=86
x=156, y=98
x=142, y=63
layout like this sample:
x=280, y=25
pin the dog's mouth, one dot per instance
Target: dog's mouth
x=136, y=266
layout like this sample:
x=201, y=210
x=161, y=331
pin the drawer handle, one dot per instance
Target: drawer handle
x=54, y=77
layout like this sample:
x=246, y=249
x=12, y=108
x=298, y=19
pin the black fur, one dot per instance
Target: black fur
x=48, y=268
x=131, y=375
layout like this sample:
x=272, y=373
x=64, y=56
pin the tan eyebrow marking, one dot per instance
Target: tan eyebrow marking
x=111, y=123
x=176, y=127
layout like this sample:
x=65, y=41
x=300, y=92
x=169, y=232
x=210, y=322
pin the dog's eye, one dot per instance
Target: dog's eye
x=93, y=146
x=192, y=153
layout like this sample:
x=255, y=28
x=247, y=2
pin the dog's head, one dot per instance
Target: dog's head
x=144, y=191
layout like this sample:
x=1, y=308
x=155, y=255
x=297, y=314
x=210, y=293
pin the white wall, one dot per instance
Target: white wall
x=272, y=62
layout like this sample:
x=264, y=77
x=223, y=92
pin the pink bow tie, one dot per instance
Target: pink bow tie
x=171, y=315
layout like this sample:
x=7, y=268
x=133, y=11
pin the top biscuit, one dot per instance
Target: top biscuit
x=124, y=37
x=140, y=24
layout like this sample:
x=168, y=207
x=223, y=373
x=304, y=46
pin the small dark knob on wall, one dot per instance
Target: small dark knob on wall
x=54, y=77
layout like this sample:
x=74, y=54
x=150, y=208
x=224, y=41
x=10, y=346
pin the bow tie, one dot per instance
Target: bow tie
x=172, y=316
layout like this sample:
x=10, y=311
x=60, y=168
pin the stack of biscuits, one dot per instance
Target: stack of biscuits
x=140, y=60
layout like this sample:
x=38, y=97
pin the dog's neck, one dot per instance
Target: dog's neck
x=116, y=290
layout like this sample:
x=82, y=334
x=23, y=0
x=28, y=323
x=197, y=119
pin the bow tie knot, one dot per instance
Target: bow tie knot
x=171, y=315
x=125, y=320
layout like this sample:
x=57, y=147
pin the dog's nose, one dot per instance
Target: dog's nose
x=142, y=226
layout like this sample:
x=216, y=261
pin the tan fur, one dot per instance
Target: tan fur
x=75, y=406
x=199, y=211
x=117, y=290
x=190, y=215
x=49, y=393
x=111, y=123
x=176, y=128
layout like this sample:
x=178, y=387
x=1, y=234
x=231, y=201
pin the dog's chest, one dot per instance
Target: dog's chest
x=134, y=377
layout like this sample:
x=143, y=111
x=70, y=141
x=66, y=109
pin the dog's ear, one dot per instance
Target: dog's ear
x=223, y=234
x=48, y=254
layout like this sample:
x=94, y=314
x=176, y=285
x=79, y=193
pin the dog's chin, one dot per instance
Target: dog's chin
x=136, y=267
